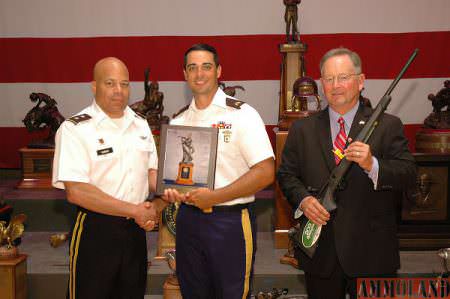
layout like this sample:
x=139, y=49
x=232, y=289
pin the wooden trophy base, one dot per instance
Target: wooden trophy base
x=13, y=277
x=185, y=171
x=436, y=141
x=171, y=288
x=288, y=117
x=37, y=167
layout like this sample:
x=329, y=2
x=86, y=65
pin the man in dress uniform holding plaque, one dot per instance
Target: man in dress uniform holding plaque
x=358, y=239
x=105, y=159
x=215, y=250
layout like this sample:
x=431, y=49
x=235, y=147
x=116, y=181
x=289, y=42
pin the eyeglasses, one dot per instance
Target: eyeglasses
x=341, y=78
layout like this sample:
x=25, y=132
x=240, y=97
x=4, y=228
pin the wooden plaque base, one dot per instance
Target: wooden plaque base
x=37, y=167
x=13, y=277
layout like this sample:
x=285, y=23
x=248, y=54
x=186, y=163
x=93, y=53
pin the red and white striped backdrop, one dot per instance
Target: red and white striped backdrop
x=51, y=46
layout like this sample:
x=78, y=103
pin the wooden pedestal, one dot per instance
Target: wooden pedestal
x=171, y=288
x=13, y=277
x=36, y=168
x=283, y=217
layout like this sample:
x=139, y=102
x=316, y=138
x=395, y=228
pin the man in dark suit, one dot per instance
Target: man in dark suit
x=359, y=238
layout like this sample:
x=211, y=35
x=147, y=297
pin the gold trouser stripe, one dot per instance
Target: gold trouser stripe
x=248, y=238
x=74, y=244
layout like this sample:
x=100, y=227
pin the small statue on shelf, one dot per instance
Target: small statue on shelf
x=41, y=117
x=291, y=18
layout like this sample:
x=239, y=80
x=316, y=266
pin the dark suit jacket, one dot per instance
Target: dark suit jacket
x=362, y=230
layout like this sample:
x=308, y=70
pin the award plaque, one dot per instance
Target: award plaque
x=187, y=158
x=37, y=167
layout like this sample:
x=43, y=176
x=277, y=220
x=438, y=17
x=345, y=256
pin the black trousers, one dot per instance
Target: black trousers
x=337, y=285
x=108, y=258
x=333, y=287
x=215, y=253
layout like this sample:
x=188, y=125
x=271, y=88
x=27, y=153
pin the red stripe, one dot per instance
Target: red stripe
x=251, y=57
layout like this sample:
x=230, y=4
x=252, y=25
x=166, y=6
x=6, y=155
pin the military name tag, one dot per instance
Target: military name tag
x=104, y=151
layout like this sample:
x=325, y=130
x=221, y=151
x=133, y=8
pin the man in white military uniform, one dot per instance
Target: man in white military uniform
x=105, y=158
x=215, y=251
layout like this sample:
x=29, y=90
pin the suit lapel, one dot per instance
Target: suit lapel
x=324, y=134
x=361, y=117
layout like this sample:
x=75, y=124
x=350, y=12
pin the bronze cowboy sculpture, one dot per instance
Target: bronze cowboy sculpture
x=41, y=117
x=151, y=107
x=439, y=118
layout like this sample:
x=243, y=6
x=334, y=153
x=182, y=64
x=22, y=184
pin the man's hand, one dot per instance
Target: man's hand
x=145, y=215
x=172, y=195
x=360, y=153
x=202, y=198
x=314, y=210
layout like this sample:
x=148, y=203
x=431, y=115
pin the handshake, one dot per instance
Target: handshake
x=146, y=214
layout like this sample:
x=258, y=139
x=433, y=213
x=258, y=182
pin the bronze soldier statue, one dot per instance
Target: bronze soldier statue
x=291, y=17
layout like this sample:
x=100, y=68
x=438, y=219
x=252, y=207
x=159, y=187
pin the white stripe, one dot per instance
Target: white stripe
x=64, y=18
x=409, y=99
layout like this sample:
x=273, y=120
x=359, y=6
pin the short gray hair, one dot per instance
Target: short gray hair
x=354, y=57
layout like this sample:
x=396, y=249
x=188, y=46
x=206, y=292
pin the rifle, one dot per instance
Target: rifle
x=306, y=234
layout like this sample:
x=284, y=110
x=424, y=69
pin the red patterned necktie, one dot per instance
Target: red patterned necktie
x=340, y=141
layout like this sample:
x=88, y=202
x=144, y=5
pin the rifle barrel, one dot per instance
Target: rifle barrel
x=400, y=75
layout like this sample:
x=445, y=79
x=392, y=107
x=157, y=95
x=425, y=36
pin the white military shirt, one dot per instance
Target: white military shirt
x=97, y=151
x=242, y=142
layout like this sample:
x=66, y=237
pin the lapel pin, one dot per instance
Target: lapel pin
x=361, y=122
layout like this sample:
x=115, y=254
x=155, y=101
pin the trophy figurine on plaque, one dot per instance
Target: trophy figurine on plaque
x=186, y=167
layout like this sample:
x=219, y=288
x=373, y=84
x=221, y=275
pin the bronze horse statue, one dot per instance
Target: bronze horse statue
x=41, y=117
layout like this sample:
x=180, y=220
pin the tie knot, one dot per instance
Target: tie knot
x=341, y=121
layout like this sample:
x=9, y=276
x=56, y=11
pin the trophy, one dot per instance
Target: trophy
x=37, y=157
x=433, y=136
x=41, y=117
x=151, y=107
x=13, y=266
x=186, y=167
x=9, y=235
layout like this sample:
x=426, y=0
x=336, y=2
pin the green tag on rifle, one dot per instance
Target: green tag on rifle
x=310, y=234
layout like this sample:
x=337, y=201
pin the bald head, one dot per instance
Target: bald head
x=111, y=86
x=108, y=62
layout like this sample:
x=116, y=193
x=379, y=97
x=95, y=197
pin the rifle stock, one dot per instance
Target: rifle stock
x=307, y=236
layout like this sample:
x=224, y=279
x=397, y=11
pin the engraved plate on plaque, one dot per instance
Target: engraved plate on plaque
x=42, y=165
